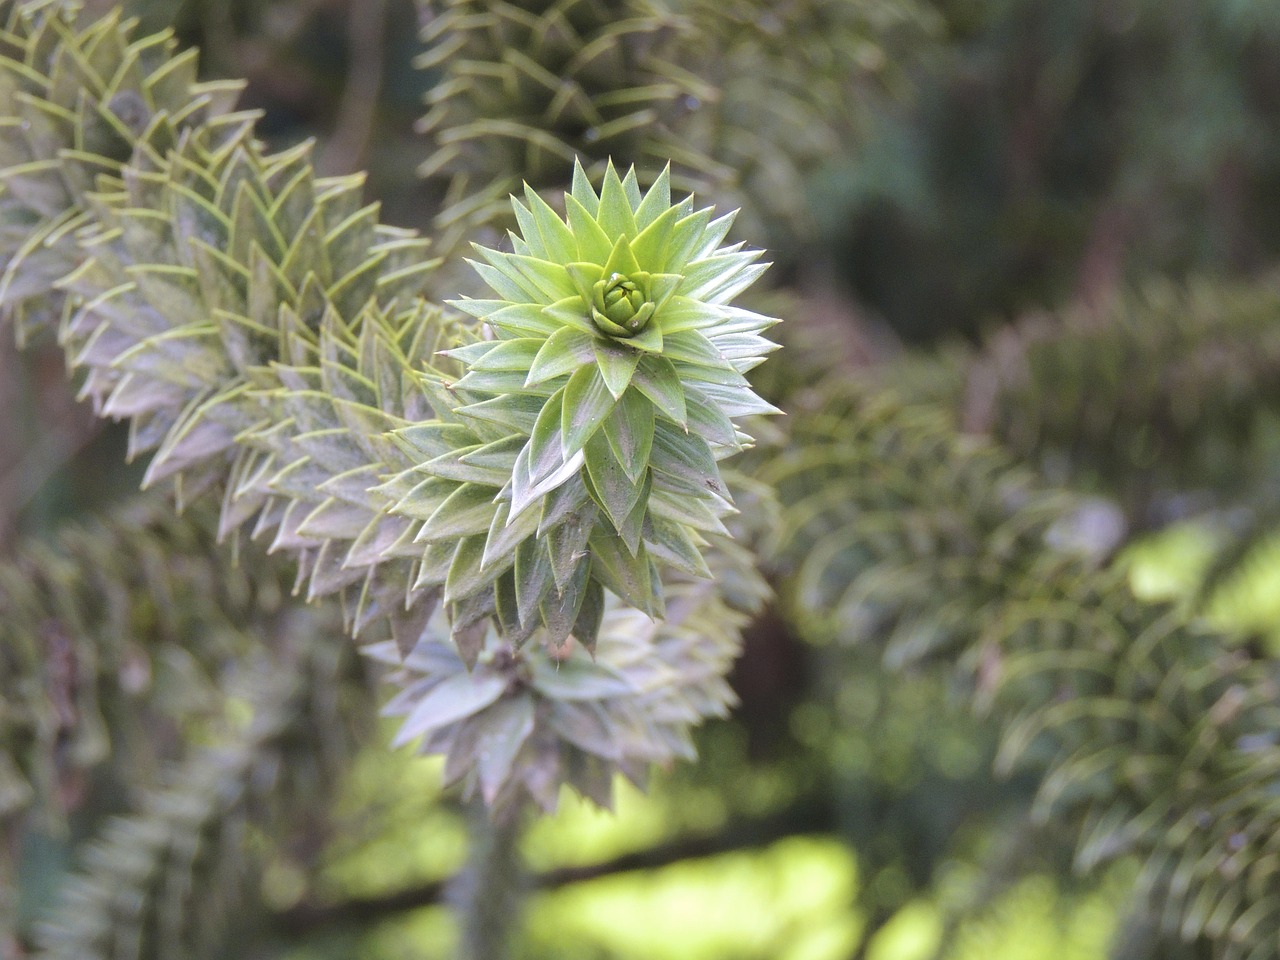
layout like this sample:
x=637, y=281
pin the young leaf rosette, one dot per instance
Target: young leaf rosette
x=616, y=354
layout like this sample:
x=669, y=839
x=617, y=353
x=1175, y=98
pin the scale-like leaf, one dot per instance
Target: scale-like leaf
x=587, y=404
x=629, y=431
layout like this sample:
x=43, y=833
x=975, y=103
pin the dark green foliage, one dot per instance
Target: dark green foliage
x=527, y=518
x=527, y=88
x=1057, y=151
x=267, y=339
x=793, y=83
x=743, y=100
x=112, y=631
x=178, y=877
x=123, y=638
x=1168, y=389
x=1150, y=734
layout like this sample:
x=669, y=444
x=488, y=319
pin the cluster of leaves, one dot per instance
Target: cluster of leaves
x=528, y=89
x=742, y=99
x=1166, y=389
x=131, y=619
x=790, y=80
x=123, y=639
x=75, y=98
x=1153, y=736
x=1162, y=403
x=474, y=492
x=166, y=881
x=269, y=340
x=513, y=726
x=616, y=369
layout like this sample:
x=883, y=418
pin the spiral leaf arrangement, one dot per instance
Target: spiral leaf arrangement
x=117, y=635
x=584, y=441
x=94, y=623
x=527, y=89
x=271, y=344
x=1150, y=735
x=517, y=724
x=173, y=878
x=791, y=78
x=76, y=99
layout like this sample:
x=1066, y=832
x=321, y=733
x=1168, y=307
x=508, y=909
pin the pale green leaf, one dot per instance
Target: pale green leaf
x=648, y=340
x=545, y=449
x=467, y=573
x=523, y=320
x=578, y=679
x=657, y=200
x=632, y=529
x=582, y=191
x=685, y=240
x=617, y=363
x=615, y=214
x=587, y=403
x=621, y=259
x=584, y=277
x=629, y=431
x=548, y=281
x=509, y=355
x=563, y=352
x=650, y=245
x=657, y=379
x=682, y=313
x=505, y=534
x=571, y=312
x=506, y=728
x=594, y=244
x=468, y=510
x=557, y=239
x=449, y=701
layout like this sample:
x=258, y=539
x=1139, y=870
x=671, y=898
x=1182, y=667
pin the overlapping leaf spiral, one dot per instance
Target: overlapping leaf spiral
x=176, y=878
x=520, y=722
x=528, y=88
x=1152, y=735
x=100, y=619
x=269, y=341
x=592, y=423
x=76, y=97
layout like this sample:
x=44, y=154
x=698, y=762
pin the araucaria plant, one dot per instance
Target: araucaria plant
x=528, y=524
x=576, y=459
x=599, y=408
x=548, y=473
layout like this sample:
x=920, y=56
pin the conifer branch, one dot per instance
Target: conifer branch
x=1162, y=392
x=1152, y=735
x=268, y=339
x=173, y=880
x=528, y=89
x=114, y=618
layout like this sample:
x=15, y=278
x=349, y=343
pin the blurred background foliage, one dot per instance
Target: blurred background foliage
x=988, y=204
